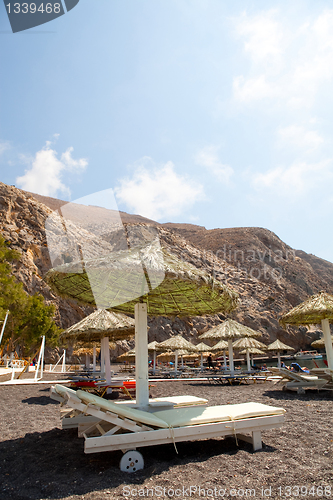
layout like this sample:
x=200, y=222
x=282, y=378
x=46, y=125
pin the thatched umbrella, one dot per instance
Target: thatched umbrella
x=143, y=279
x=202, y=348
x=248, y=343
x=100, y=325
x=250, y=351
x=177, y=343
x=320, y=343
x=278, y=347
x=126, y=356
x=230, y=330
x=222, y=345
x=316, y=309
x=153, y=347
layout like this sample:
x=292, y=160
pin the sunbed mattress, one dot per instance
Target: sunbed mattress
x=179, y=417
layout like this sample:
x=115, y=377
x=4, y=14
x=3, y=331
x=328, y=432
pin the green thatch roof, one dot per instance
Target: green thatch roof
x=148, y=274
x=311, y=311
x=248, y=343
x=99, y=324
x=279, y=346
x=229, y=329
x=320, y=343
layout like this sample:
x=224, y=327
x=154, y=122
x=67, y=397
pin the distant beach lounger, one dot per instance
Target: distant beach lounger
x=119, y=427
x=296, y=381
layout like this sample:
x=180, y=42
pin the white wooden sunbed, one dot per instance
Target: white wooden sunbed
x=118, y=427
x=298, y=381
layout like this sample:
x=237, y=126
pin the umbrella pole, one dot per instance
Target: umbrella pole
x=107, y=360
x=154, y=362
x=94, y=358
x=328, y=342
x=248, y=360
x=279, y=359
x=201, y=362
x=102, y=358
x=141, y=355
x=176, y=360
x=225, y=360
x=231, y=355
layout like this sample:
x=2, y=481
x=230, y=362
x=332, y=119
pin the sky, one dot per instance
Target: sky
x=210, y=112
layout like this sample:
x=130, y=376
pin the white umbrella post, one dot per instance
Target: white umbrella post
x=154, y=361
x=176, y=360
x=279, y=359
x=328, y=342
x=225, y=360
x=201, y=363
x=94, y=358
x=141, y=355
x=231, y=355
x=106, y=360
x=248, y=360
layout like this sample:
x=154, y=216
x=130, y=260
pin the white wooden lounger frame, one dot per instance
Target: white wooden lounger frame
x=296, y=381
x=106, y=430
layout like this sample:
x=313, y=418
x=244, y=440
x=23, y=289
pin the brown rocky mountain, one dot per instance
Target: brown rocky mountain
x=269, y=276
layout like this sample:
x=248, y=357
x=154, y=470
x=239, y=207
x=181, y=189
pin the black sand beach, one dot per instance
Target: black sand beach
x=38, y=460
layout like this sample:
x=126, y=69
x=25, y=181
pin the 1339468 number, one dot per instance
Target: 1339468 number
x=31, y=8
x=305, y=491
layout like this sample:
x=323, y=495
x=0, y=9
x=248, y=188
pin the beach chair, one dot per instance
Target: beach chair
x=72, y=418
x=297, y=381
x=119, y=427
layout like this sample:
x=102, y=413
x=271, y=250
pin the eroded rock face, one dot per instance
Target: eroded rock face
x=269, y=276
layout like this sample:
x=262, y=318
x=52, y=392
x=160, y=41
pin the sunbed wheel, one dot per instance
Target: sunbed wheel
x=131, y=461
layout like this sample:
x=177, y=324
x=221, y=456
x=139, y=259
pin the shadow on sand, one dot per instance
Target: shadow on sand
x=53, y=465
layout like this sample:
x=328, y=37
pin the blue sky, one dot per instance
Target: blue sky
x=211, y=112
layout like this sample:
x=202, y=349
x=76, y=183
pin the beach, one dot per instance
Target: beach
x=40, y=461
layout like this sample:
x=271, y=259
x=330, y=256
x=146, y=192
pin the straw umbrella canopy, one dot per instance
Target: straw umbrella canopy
x=166, y=356
x=202, y=348
x=248, y=343
x=100, y=325
x=316, y=309
x=320, y=343
x=278, y=347
x=153, y=347
x=222, y=345
x=126, y=356
x=230, y=330
x=177, y=343
x=147, y=279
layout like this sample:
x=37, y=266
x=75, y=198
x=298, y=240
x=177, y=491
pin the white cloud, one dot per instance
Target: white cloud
x=4, y=146
x=290, y=62
x=300, y=138
x=46, y=171
x=298, y=179
x=208, y=158
x=264, y=38
x=158, y=192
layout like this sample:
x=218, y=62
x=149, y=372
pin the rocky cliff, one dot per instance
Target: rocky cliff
x=269, y=276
